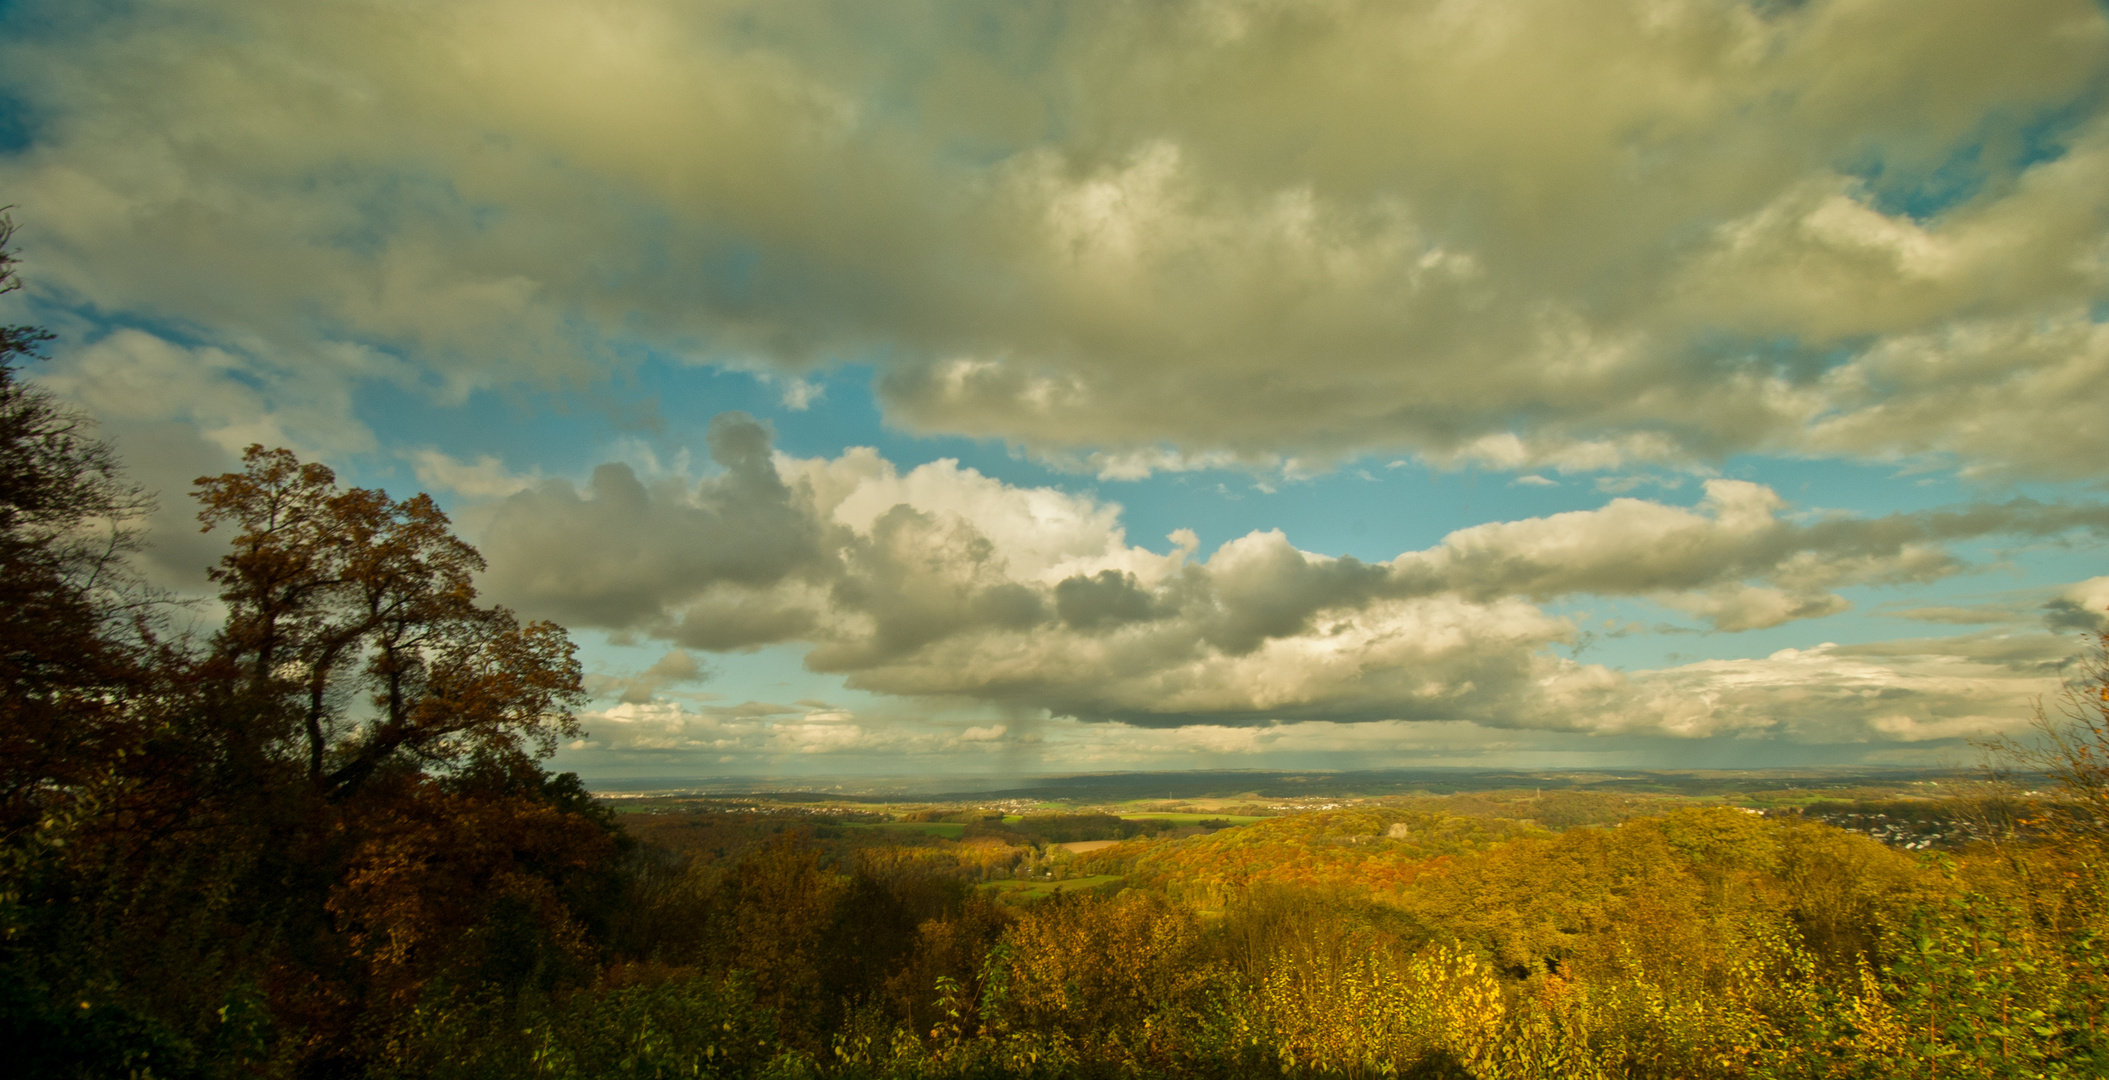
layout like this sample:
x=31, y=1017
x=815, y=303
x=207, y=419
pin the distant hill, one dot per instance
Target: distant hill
x=1282, y=786
x=1374, y=850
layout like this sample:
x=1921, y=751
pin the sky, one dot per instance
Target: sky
x=987, y=388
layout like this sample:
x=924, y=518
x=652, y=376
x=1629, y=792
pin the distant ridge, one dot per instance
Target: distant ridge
x=1263, y=784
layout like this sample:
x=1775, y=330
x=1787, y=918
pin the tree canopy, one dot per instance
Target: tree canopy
x=353, y=623
x=70, y=644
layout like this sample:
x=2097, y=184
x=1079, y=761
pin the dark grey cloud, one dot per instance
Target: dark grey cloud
x=2083, y=606
x=625, y=554
x=1108, y=599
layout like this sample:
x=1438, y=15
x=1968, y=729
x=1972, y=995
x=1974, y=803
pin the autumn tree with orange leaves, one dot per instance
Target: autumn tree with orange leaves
x=334, y=596
x=411, y=718
x=331, y=811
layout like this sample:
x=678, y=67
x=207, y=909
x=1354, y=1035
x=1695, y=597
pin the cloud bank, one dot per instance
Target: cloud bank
x=1126, y=237
x=1637, y=239
x=941, y=583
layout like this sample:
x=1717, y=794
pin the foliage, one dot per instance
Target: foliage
x=639, y=1021
x=258, y=853
x=72, y=650
x=331, y=592
x=1375, y=850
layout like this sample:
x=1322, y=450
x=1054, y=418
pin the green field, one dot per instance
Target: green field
x=1194, y=819
x=1016, y=889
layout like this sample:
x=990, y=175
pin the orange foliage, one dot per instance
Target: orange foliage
x=472, y=886
x=331, y=590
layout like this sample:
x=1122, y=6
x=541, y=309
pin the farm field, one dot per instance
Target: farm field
x=1194, y=818
x=1014, y=890
x=1079, y=847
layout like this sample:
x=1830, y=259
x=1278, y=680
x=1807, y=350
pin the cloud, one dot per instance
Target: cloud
x=1956, y=614
x=611, y=555
x=1733, y=559
x=1834, y=702
x=232, y=398
x=1126, y=238
x=800, y=394
x=759, y=731
x=673, y=669
x=2002, y=397
x=944, y=584
x=485, y=478
x=1912, y=691
x=2083, y=606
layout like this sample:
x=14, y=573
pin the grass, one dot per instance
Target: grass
x=1021, y=890
x=1194, y=819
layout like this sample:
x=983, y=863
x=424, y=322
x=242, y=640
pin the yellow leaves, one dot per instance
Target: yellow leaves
x=1355, y=850
x=1374, y=1015
x=1722, y=836
x=1464, y=1004
x=1878, y=1029
x=1078, y=962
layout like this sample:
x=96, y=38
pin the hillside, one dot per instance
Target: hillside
x=1375, y=850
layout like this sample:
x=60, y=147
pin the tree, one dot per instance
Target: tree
x=295, y=829
x=332, y=593
x=389, y=727
x=2071, y=749
x=83, y=790
x=70, y=650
